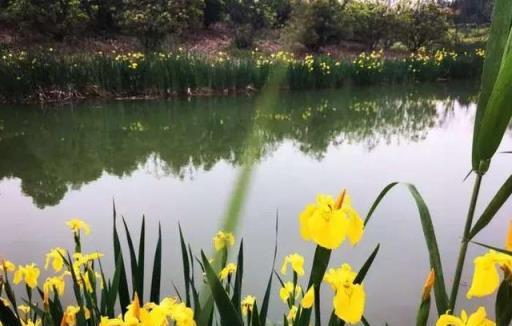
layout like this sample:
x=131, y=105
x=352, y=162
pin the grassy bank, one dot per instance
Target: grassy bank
x=48, y=77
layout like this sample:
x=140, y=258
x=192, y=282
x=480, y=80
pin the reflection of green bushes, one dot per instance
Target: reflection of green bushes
x=51, y=151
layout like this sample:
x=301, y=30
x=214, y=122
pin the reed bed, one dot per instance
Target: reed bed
x=45, y=75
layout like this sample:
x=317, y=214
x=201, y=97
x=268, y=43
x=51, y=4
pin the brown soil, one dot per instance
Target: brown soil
x=217, y=38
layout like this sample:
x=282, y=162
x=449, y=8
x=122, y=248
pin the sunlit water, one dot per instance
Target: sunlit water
x=176, y=161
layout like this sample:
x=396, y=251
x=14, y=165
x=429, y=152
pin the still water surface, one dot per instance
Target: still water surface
x=176, y=161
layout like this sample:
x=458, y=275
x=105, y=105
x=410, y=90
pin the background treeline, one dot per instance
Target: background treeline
x=297, y=24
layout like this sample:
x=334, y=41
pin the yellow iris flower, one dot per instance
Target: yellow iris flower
x=4, y=302
x=292, y=314
x=28, y=273
x=308, y=299
x=297, y=263
x=55, y=283
x=55, y=257
x=479, y=318
x=69, y=318
x=349, y=299
x=226, y=271
x=288, y=290
x=7, y=266
x=248, y=304
x=152, y=314
x=76, y=225
x=327, y=222
x=223, y=240
x=24, y=309
x=486, y=278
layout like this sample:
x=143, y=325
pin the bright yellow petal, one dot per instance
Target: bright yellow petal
x=508, y=242
x=349, y=303
x=449, y=320
x=485, y=277
x=479, y=318
x=355, y=225
x=309, y=298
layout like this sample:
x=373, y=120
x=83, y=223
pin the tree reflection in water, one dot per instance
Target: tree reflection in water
x=54, y=150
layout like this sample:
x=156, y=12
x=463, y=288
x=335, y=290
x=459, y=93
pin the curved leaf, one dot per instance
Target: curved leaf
x=495, y=55
x=503, y=304
x=490, y=211
x=157, y=269
x=227, y=312
x=430, y=239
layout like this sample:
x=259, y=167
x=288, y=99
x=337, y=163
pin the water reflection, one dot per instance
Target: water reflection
x=53, y=151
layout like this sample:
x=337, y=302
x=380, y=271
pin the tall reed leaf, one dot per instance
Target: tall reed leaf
x=186, y=266
x=490, y=211
x=140, y=260
x=237, y=290
x=430, y=239
x=503, y=304
x=157, y=269
x=7, y=317
x=493, y=113
x=124, y=294
x=266, y=297
x=228, y=313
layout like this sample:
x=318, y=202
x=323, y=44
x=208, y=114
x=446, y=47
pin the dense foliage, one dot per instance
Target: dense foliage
x=301, y=24
x=33, y=77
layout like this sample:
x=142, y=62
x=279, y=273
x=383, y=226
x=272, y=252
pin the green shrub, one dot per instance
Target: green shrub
x=54, y=17
x=213, y=11
x=369, y=22
x=245, y=17
x=425, y=24
x=103, y=15
x=314, y=24
x=281, y=11
x=152, y=20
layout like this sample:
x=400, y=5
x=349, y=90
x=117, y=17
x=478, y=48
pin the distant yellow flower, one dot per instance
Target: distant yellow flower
x=4, y=302
x=328, y=222
x=69, y=317
x=223, y=240
x=297, y=263
x=28, y=273
x=55, y=256
x=183, y=315
x=247, y=304
x=479, y=318
x=87, y=282
x=288, y=291
x=106, y=321
x=31, y=323
x=227, y=271
x=292, y=314
x=309, y=298
x=7, y=265
x=24, y=309
x=349, y=298
x=76, y=225
x=54, y=283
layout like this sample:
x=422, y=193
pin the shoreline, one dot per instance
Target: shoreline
x=46, y=78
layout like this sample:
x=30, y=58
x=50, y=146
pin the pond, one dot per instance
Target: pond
x=177, y=160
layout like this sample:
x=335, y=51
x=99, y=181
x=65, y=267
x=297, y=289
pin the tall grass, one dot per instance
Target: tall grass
x=47, y=75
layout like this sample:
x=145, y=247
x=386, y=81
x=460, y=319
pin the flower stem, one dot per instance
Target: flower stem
x=464, y=242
